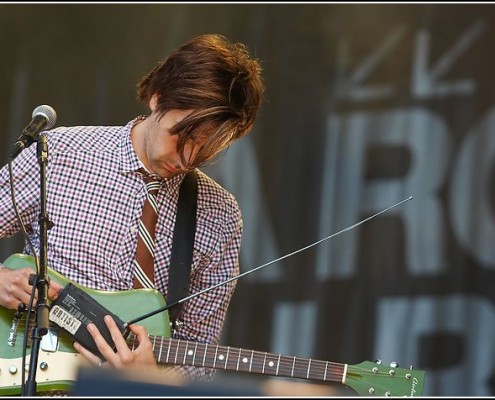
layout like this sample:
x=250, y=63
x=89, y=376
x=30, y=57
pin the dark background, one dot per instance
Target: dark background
x=367, y=104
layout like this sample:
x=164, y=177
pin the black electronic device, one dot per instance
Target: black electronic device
x=74, y=309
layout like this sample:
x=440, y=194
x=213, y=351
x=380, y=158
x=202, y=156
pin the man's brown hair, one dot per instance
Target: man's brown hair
x=215, y=78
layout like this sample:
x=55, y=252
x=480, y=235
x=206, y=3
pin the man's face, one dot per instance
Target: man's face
x=161, y=145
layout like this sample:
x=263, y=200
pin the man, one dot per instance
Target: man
x=202, y=98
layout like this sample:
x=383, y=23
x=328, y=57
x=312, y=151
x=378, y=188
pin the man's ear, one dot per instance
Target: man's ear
x=153, y=102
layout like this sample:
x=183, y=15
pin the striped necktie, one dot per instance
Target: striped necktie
x=143, y=262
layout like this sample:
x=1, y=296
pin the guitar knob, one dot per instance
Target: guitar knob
x=411, y=367
x=378, y=361
x=393, y=364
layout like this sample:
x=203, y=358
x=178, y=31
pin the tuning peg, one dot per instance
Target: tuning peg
x=378, y=361
x=393, y=364
x=411, y=367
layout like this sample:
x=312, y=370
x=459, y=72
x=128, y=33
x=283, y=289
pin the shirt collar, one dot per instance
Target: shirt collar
x=130, y=162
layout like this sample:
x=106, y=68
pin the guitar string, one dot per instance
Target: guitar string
x=312, y=369
x=317, y=367
x=284, y=362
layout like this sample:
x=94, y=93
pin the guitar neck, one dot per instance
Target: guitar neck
x=183, y=352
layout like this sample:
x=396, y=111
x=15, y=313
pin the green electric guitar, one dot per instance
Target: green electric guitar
x=58, y=361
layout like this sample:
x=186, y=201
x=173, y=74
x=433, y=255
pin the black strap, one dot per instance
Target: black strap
x=182, y=245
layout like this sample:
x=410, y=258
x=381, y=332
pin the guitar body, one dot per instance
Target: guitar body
x=56, y=350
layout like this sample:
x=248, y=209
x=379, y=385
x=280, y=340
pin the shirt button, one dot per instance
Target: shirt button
x=133, y=229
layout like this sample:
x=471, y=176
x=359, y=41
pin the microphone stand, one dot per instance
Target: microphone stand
x=41, y=280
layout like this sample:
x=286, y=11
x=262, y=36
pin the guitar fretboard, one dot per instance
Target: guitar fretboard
x=183, y=352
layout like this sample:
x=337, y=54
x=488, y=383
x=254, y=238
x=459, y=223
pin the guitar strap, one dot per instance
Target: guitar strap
x=182, y=245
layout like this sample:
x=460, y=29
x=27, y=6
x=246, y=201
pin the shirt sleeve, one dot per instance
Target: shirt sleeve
x=26, y=179
x=203, y=316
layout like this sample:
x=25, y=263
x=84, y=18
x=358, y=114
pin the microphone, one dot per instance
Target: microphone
x=44, y=117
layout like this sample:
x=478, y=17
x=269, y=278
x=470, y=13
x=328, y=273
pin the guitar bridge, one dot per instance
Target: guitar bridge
x=15, y=324
x=13, y=332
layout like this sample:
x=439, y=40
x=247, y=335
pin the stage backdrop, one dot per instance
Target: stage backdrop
x=366, y=106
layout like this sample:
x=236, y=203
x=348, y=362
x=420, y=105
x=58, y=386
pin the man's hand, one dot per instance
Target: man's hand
x=15, y=288
x=124, y=357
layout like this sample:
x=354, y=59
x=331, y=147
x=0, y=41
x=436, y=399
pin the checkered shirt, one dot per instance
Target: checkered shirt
x=95, y=199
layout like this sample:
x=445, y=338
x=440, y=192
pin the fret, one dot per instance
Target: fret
x=215, y=357
x=264, y=363
x=278, y=363
x=168, y=351
x=293, y=365
x=185, y=354
x=325, y=375
x=161, y=348
x=238, y=359
x=309, y=367
x=195, y=351
x=177, y=351
x=226, y=358
x=251, y=360
x=204, y=356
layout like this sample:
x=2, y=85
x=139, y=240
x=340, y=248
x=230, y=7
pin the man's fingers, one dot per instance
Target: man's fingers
x=53, y=290
x=107, y=352
x=139, y=330
x=25, y=298
x=86, y=353
x=116, y=334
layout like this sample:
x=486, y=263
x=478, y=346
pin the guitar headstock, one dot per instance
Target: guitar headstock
x=373, y=379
